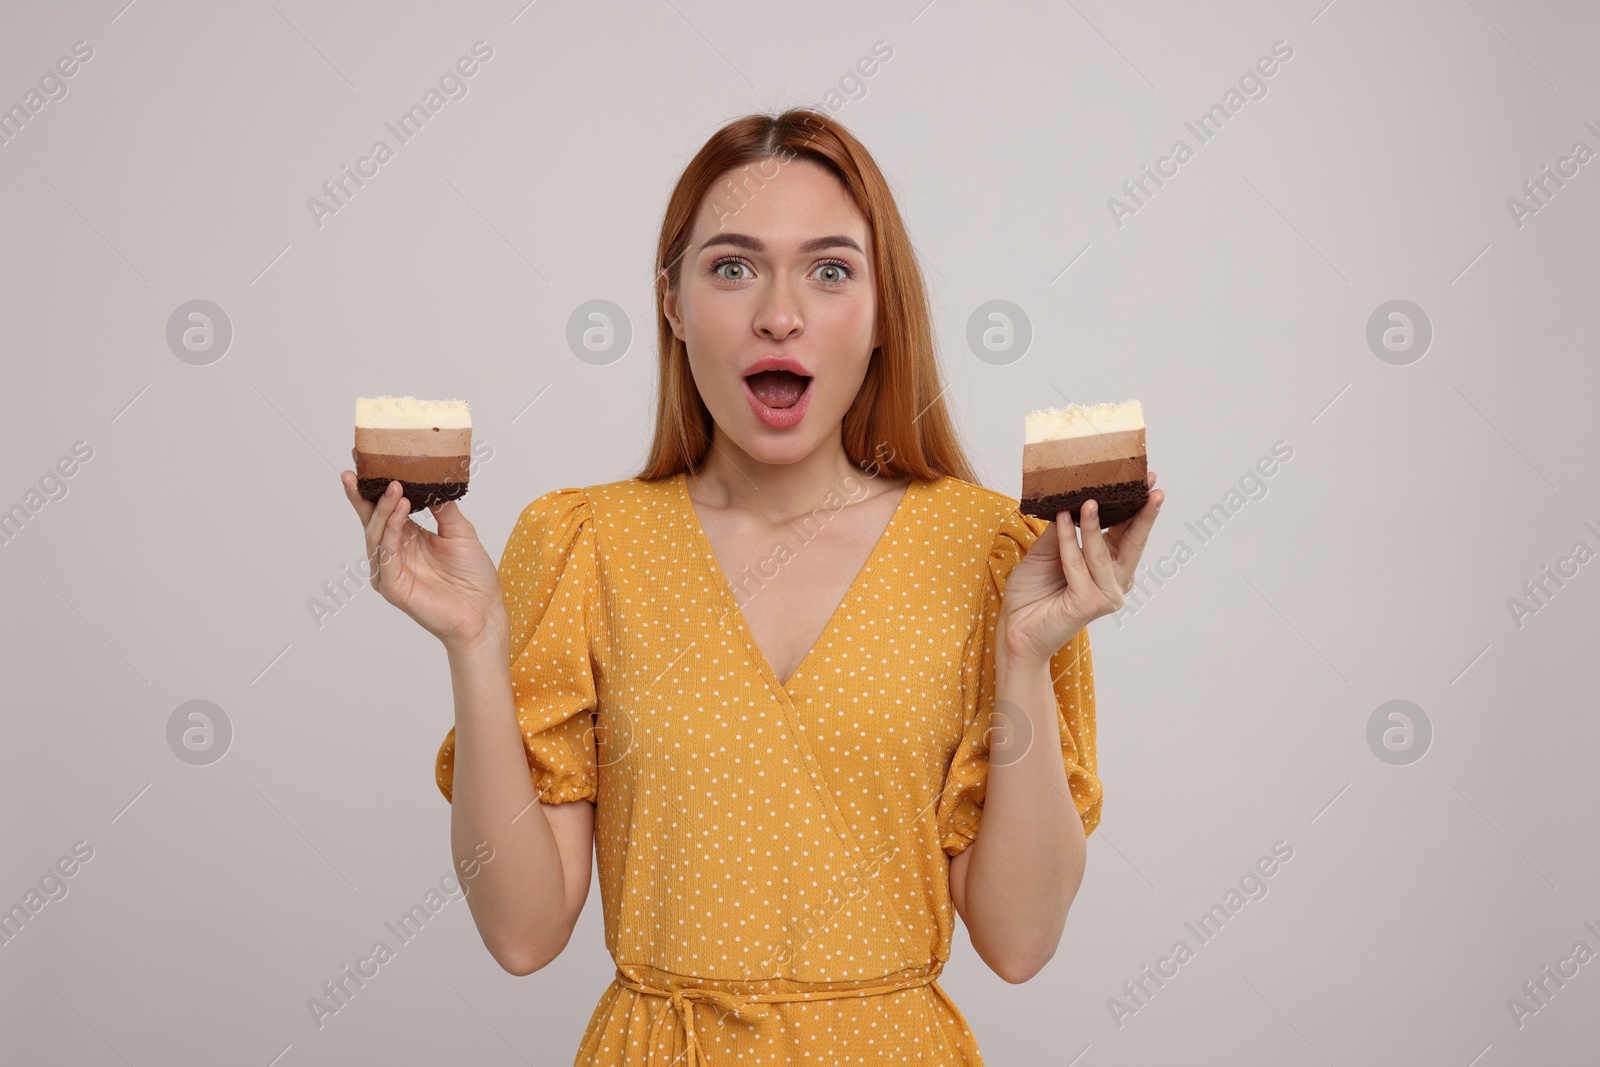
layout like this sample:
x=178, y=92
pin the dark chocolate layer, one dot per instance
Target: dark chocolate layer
x=1118, y=502
x=418, y=494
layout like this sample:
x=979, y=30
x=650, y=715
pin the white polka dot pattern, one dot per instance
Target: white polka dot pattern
x=761, y=843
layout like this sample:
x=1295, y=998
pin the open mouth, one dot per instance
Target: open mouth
x=778, y=389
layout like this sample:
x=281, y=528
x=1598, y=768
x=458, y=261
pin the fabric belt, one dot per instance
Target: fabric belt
x=682, y=1000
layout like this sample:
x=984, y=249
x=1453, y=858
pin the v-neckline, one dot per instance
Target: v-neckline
x=724, y=588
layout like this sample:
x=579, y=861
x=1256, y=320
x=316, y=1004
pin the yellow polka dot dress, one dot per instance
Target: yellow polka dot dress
x=773, y=859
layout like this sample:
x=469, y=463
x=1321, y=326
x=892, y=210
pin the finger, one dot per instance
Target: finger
x=1121, y=528
x=393, y=531
x=451, y=522
x=1079, y=581
x=380, y=514
x=1051, y=530
x=382, y=518
x=1130, y=537
x=352, y=493
x=1097, y=554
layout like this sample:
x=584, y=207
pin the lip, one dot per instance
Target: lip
x=779, y=418
x=778, y=363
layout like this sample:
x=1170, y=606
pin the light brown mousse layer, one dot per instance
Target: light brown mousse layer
x=414, y=441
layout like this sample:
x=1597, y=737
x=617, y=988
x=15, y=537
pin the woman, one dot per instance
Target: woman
x=782, y=772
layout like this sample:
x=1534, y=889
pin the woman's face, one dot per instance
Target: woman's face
x=784, y=271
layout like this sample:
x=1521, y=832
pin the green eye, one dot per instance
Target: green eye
x=837, y=265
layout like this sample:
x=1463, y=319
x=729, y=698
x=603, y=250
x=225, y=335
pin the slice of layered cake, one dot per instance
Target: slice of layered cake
x=424, y=444
x=1084, y=452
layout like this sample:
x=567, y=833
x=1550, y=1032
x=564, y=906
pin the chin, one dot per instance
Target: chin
x=777, y=453
x=766, y=445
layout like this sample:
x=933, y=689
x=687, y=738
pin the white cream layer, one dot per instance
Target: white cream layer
x=1077, y=420
x=407, y=412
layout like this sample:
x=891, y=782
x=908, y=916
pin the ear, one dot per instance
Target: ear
x=669, y=308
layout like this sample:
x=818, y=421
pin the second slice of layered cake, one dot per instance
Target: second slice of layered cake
x=1082, y=452
x=424, y=444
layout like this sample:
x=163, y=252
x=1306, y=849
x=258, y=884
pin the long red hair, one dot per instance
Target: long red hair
x=898, y=424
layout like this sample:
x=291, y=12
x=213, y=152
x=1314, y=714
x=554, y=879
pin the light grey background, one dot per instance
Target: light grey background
x=1233, y=703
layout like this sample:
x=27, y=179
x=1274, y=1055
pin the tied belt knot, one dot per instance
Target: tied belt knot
x=751, y=1005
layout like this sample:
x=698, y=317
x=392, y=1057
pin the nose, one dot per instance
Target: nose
x=778, y=312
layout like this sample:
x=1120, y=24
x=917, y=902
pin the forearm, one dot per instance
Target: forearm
x=518, y=899
x=1028, y=857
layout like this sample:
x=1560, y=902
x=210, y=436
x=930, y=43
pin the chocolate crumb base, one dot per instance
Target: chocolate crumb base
x=1118, y=502
x=418, y=494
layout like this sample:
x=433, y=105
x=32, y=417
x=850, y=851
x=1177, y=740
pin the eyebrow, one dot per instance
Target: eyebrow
x=745, y=241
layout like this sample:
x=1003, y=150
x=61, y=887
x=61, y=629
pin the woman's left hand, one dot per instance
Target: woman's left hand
x=1058, y=587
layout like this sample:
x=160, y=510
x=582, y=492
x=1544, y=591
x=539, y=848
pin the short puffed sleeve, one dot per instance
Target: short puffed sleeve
x=960, y=806
x=547, y=573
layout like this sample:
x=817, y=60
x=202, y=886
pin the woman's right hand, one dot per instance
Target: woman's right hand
x=445, y=581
